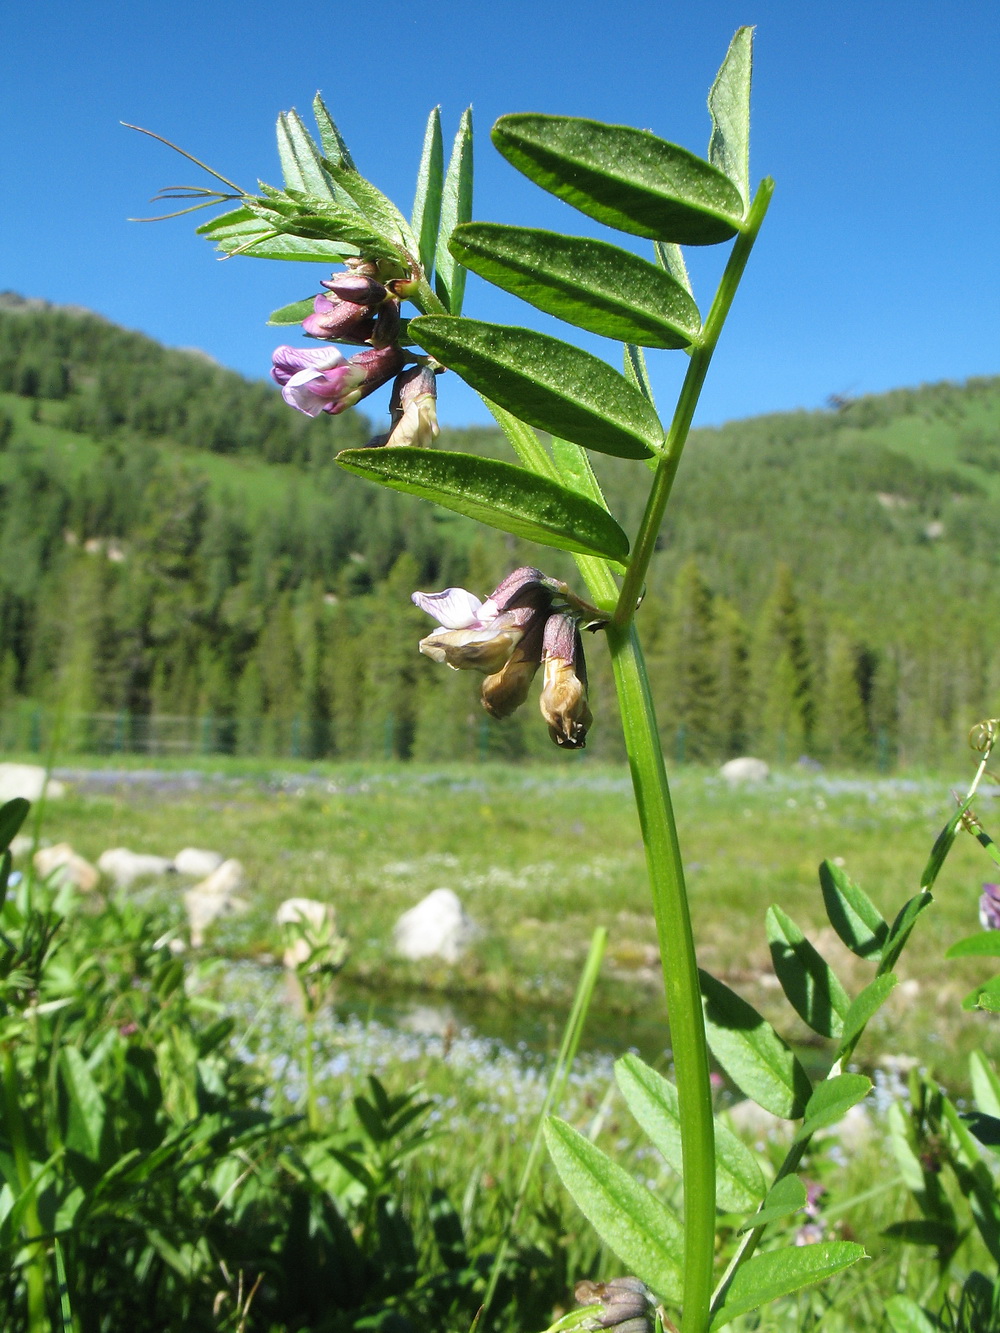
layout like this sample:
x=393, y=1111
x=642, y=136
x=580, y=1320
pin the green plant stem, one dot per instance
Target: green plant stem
x=35, y=1265
x=680, y=970
x=572, y=1033
x=701, y=357
x=312, y=1107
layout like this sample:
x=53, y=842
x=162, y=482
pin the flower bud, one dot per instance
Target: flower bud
x=626, y=1305
x=563, y=699
x=413, y=406
x=403, y=287
x=339, y=321
x=386, y=324
x=356, y=287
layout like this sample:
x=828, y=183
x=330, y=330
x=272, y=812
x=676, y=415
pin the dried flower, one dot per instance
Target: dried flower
x=564, y=692
x=989, y=907
x=520, y=627
x=413, y=408
x=481, y=636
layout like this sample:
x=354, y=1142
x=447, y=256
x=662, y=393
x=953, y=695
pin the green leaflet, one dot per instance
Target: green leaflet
x=985, y=1084
x=785, y=1196
x=631, y=1221
x=426, y=216
x=292, y=314
x=545, y=382
x=986, y=996
x=901, y=927
x=300, y=159
x=765, y=1277
x=301, y=215
x=864, y=1008
x=12, y=816
x=237, y=229
x=852, y=913
x=906, y=1316
x=456, y=207
x=498, y=494
x=573, y=466
x=378, y=210
x=652, y=1099
x=670, y=258
x=82, y=1104
x=752, y=1053
x=831, y=1100
x=591, y=284
x=334, y=148
x=812, y=989
x=729, y=104
x=626, y=178
x=984, y=944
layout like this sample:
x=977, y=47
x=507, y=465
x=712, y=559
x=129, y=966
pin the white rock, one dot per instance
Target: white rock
x=27, y=780
x=745, y=769
x=436, y=927
x=66, y=867
x=311, y=912
x=214, y=897
x=124, y=867
x=197, y=861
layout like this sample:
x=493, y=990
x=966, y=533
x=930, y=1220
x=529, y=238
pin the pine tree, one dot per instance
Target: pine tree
x=782, y=700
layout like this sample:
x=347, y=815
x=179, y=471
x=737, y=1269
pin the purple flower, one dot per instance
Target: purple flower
x=318, y=380
x=989, y=907
x=339, y=321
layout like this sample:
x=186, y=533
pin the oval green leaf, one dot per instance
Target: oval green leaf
x=767, y=1276
x=752, y=1053
x=498, y=494
x=294, y=313
x=786, y=1196
x=545, y=382
x=632, y=1221
x=623, y=177
x=852, y=913
x=984, y=944
x=831, y=1101
x=13, y=813
x=812, y=989
x=864, y=1008
x=591, y=284
x=652, y=1099
x=901, y=927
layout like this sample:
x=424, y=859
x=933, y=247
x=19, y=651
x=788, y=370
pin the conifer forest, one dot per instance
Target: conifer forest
x=185, y=569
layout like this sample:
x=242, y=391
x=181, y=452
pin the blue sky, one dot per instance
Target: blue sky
x=877, y=266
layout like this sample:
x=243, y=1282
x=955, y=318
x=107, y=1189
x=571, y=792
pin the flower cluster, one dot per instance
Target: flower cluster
x=359, y=309
x=524, y=624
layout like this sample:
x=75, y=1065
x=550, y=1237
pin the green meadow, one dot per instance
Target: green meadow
x=539, y=858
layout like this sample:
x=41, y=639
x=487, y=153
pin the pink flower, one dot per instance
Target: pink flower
x=318, y=380
x=339, y=320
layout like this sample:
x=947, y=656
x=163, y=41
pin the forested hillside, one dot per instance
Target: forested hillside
x=181, y=560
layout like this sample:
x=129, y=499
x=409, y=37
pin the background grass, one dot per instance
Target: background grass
x=540, y=857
